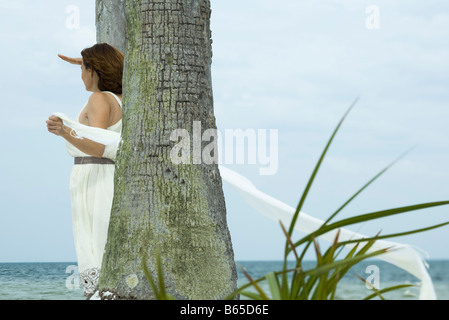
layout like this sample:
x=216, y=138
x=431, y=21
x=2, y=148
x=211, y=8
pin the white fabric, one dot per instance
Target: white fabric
x=402, y=255
x=91, y=193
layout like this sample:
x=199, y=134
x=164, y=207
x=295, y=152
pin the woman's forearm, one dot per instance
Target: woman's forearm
x=90, y=147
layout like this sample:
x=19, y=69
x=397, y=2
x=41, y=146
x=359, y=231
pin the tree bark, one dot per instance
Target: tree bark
x=110, y=23
x=160, y=206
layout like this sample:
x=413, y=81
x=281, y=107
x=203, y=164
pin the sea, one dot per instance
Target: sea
x=60, y=280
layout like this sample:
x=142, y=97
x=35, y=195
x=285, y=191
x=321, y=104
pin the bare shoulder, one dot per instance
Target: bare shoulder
x=98, y=97
x=98, y=103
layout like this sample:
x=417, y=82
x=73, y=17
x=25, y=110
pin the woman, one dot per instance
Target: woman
x=92, y=177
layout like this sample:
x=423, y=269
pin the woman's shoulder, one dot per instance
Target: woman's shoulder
x=104, y=96
x=98, y=96
x=98, y=101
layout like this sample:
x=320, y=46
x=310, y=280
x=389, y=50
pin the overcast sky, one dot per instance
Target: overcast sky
x=293, y=66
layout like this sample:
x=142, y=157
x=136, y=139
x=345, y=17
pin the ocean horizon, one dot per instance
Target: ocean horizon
x=60, y=280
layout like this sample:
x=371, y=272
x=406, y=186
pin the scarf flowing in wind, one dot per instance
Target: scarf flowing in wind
x=403, y=256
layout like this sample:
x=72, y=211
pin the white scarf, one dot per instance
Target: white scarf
x=404, y=256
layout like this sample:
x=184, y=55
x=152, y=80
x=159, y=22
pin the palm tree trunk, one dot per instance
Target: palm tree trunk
x=160, y=206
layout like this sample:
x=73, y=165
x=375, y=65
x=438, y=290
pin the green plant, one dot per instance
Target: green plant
x=321, y=281
x=159, y=289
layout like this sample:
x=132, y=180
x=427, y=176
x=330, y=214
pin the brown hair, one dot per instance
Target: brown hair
x=107, y=61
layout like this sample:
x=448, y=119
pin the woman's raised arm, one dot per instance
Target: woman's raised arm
x=77, y=61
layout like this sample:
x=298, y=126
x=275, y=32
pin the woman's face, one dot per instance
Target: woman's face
x=89, y=78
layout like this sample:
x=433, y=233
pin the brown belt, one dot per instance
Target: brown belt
x=90, y=160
